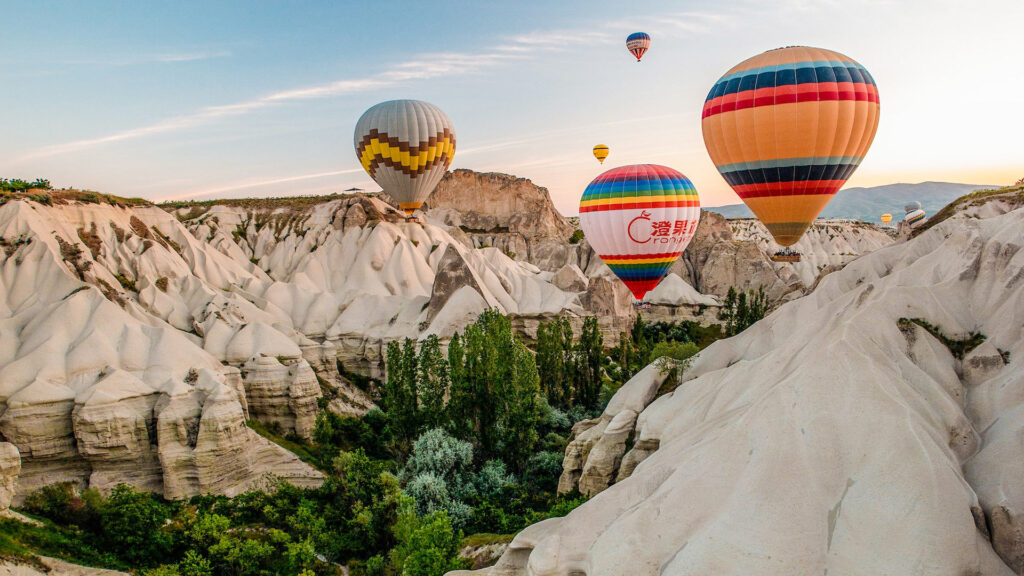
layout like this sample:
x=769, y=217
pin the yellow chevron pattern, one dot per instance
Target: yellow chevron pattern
x=414, y=163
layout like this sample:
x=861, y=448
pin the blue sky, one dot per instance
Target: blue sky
x=196, y=100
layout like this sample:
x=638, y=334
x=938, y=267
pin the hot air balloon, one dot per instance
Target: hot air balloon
x=638, y=43
x=914, y=218
x=600, y=152
x=911, y=206
x=786, y=129
x=405, y=146
x=886, y=218
x=639, y=220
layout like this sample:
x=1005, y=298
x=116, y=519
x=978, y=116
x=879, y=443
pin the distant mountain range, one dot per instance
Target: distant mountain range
x=869, y=203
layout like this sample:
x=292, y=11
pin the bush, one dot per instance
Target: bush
x=577, y=235
x=132, y=523
x=543, y=470
x=429, y=547
x=674, y=350
x=65, y=505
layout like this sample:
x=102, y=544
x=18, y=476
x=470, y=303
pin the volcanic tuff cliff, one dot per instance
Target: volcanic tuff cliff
x=861, y=429
x=138, y=339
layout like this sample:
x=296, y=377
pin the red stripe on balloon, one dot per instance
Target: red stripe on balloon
x=796, y=188
x=813, y=92
x=639, y=256
x=634, y=205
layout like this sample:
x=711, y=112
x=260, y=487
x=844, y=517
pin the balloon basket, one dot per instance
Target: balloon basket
x=641, y=305
x=786, y=257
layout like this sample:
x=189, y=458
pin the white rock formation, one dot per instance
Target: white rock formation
x=831, y=437
x=91, y=381
x=122, y=324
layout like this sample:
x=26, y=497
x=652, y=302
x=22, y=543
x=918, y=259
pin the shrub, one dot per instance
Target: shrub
x=132, y=522
x=577, y=235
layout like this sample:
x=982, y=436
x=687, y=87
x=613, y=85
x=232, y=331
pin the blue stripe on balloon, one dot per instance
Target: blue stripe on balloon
x=789, y=75
x=784, y=162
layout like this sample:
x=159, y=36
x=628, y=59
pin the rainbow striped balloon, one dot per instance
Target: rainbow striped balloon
x=639, y=220
x=787, y=128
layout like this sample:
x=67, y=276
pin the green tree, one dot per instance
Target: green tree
x=399, y=396
x=432, y=383
x=589, y=360
x=132, y=523
x=742, y=309
x=728, y=312
x=429, y=546
x=194, y=564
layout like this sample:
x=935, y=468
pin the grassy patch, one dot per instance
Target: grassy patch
x=484, y=539
x=125, y=282
x=959, y=347
x=306, y=452
x=24, y=542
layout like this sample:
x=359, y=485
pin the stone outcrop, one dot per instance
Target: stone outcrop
x=570, y=278
x=115, y=429
x=10, y=467
x=453, y=274
x=597, y=446
x=497, y=203
x=282, y=392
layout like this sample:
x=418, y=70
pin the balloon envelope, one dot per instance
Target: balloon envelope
x=600, y=152
x=406, y=146
x=639, y=220
x=886, y=218
x=915, y=218
x=637, y=43
x=786, y=129
x=910, y=207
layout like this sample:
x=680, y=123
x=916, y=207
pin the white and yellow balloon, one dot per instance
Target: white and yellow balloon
x=406, y=146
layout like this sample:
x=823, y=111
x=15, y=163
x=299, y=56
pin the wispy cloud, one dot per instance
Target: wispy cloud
x=425, y=67
x=247, y=184
x=146, y=58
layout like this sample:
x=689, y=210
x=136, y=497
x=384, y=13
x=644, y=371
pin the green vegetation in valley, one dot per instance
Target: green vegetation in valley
x=466, y=443
x=465, y=449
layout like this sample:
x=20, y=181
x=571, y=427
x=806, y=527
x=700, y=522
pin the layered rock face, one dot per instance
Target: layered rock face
x=10, y=467
x=511, y=214
x=95, y=389
x=846, y=433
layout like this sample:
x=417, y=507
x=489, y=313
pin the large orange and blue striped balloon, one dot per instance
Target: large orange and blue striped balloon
x=639, y=220
x=787, y=128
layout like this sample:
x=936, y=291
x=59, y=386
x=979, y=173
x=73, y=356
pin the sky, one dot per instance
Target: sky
x=199, y=100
